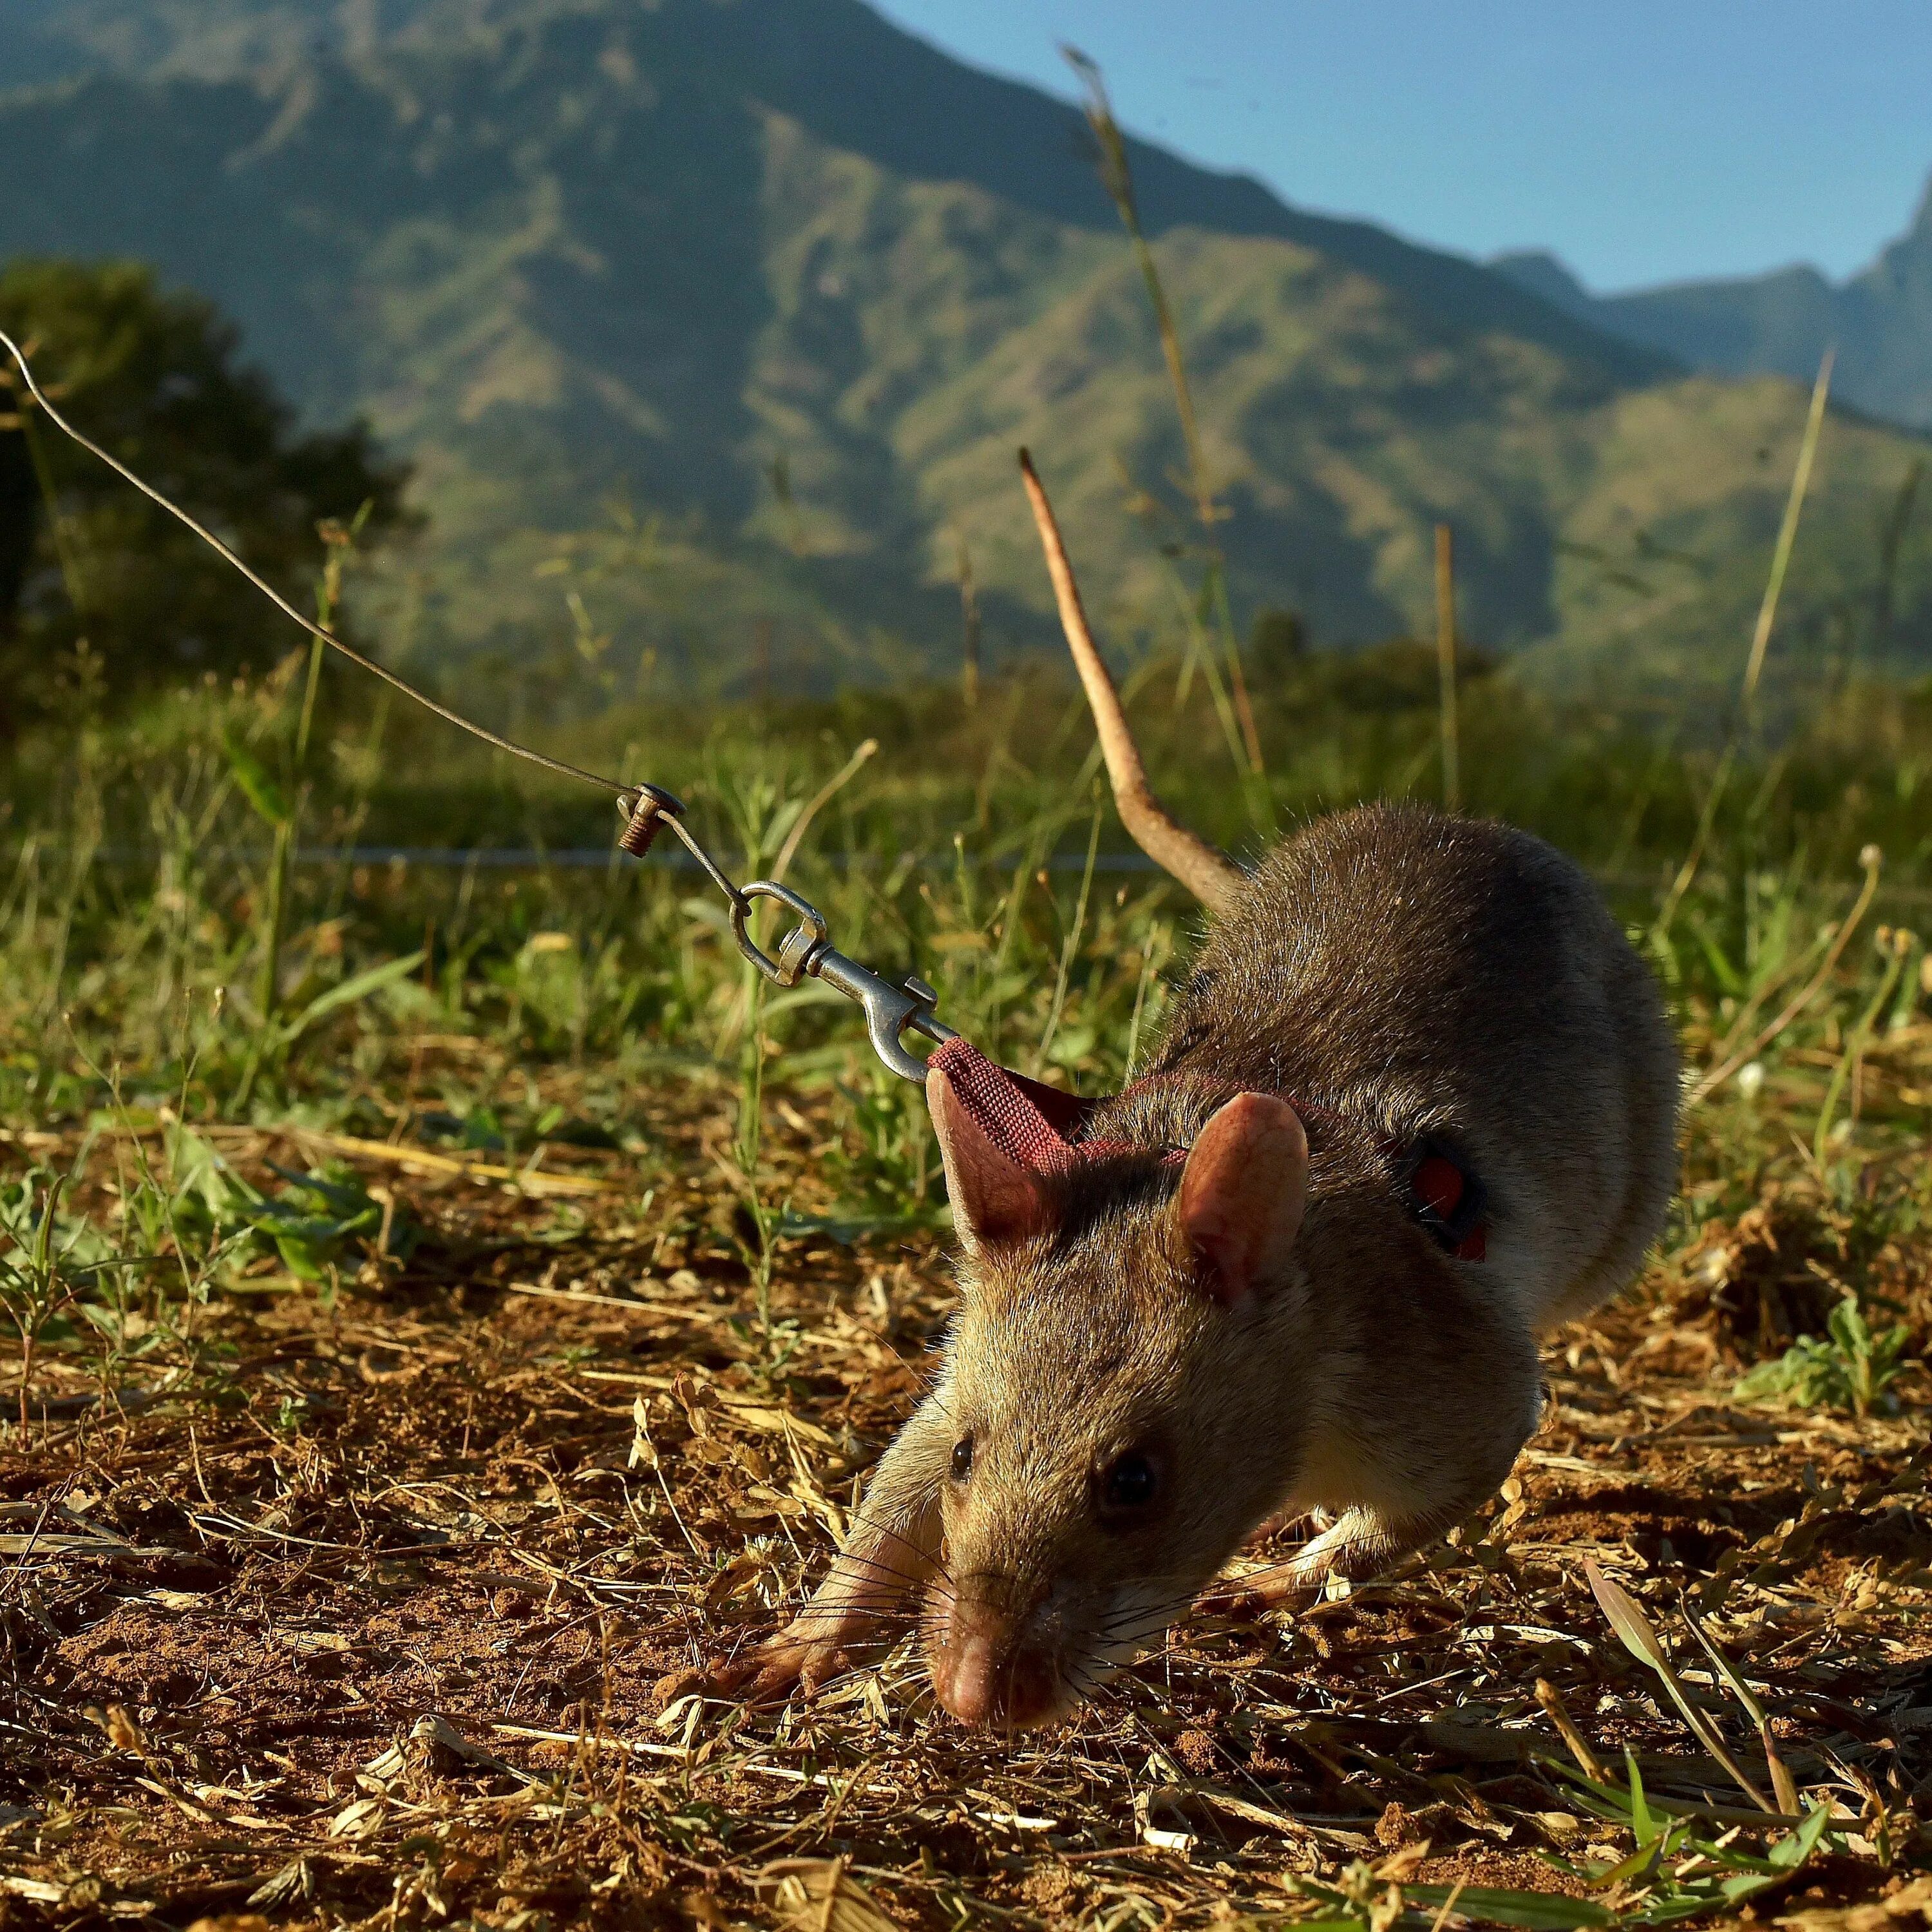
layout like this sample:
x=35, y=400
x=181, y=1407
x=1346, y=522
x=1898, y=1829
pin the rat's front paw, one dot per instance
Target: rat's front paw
x=1244, y=1599
x=798, y=1658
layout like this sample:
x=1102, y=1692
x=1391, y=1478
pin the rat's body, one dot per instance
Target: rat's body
x=1153, y=1358
x=1417, y=975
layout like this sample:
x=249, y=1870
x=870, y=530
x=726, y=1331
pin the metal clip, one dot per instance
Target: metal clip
x=889, y=1009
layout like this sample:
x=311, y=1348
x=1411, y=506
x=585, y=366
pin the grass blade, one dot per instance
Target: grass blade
x=1784, y=1787
x=1539, y=1911
x=357, y=986
x=1633, y=1628
x=1767, y=615
x=1787, y=531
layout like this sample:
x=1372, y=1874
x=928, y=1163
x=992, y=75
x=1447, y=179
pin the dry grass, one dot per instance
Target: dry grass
x=376, y=1614
x=378, y=1606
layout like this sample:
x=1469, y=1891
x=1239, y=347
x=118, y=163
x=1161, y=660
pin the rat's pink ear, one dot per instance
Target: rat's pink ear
x=994, y=1198
x=1242, y=1194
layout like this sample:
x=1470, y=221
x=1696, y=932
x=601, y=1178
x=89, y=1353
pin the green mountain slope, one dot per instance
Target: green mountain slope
x=847, y=76
x=728, y=315
x=1880, y=321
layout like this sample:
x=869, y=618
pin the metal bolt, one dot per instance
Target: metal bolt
x=644, y=811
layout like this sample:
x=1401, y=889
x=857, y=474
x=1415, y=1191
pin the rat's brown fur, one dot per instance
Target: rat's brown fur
x=1389, y=973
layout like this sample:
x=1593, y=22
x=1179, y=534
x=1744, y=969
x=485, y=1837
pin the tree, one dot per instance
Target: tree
x=86, y=560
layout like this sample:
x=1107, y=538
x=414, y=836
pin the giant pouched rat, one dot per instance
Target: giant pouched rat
x=1256, y=1287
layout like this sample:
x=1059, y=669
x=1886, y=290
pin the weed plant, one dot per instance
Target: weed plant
x=204, y=946
x=160, y=962
x=508, y=1020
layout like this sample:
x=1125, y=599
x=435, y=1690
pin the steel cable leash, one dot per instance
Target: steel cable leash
x=806, y=951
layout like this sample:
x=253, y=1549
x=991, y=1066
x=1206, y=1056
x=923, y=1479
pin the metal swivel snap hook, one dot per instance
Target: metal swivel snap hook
x=890, y=1010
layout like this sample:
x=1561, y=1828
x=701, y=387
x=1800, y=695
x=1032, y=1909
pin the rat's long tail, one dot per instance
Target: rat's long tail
x=1209, y=874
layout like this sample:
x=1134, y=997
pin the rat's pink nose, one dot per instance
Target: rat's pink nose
x=968, y=1684
x=985, y=1670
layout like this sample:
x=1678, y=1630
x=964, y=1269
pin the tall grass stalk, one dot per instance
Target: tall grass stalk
x=1117, y=176
x=969, y=627
x=1070, y=949
x=1154, y=952
x=761, y=1258
x=1787, y=535
x=1836, y=940
x=1896, y=947
x=288, y=825
x=1744, y=726
x=1199, y=651
x=1891, y=546
x=1445, y=663
x=65, y=552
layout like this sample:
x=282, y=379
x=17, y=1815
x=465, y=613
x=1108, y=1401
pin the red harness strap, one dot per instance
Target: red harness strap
x=1040, y=1127
x=1030, y=1123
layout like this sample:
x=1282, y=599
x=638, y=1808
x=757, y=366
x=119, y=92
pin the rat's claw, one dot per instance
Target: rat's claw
x=779, y=1666
x=1230, y=1600
x=1244, y=1599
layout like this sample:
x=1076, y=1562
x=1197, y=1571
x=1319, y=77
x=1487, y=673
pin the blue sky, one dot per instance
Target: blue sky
x=1643, y=140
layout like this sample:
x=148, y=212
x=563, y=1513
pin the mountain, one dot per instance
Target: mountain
x=712, y=326
x=1879, y=320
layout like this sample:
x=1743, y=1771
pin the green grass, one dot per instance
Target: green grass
x=508, y=1017
x=160, y=958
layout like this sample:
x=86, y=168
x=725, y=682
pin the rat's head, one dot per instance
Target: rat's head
x=1115, y=1387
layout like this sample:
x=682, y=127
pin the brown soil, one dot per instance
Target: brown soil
x=364, y=1621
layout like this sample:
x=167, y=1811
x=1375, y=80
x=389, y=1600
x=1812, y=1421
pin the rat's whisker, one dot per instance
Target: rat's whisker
x=1163, y=1608
x=877, y=1566
x=872, y=1526
x=804, y=1623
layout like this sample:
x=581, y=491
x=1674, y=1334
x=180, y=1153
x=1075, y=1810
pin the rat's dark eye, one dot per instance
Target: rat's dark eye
x=962, y=1459
x=1129, y=1484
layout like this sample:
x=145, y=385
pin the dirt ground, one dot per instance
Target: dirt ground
x=378, y=1615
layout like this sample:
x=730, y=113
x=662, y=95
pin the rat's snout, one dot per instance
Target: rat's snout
x=994, y=1664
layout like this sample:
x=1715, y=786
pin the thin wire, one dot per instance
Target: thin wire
x=632, y=799
x=718, y=878
x=275, y=597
